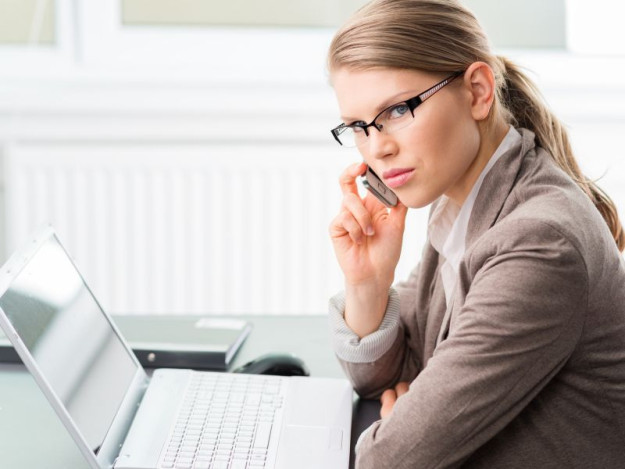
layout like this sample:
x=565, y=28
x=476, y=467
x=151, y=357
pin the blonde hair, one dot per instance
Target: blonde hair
x=441, y=36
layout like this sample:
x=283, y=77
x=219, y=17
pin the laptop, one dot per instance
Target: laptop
x=119, y=417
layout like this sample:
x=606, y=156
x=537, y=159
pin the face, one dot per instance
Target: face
x=433, y=154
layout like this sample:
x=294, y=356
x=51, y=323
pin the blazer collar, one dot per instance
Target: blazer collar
x=497, y=186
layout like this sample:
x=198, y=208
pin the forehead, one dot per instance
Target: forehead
x=360, y=93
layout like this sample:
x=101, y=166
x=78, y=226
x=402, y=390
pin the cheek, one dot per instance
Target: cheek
x=446, y=144
x=446, y=139
x=464, y=142
x=457, y=139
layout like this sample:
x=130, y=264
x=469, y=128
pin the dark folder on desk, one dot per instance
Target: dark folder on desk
x=173, y=341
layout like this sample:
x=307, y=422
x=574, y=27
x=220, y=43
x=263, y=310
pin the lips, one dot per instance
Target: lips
x=397, y=177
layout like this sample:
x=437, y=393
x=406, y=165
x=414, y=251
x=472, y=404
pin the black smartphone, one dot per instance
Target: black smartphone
x=375, y=185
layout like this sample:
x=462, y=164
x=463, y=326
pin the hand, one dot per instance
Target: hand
x=366, y=236
x=390, y=396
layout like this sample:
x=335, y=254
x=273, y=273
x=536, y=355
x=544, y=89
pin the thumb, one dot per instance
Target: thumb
x=387, y=399
x=402, y=388
x=398, y=213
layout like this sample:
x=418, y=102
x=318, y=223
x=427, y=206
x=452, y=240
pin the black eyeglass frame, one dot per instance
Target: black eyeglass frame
x=412, y=104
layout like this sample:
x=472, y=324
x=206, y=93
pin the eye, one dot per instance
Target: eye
x=357, y=127
x=397, y=111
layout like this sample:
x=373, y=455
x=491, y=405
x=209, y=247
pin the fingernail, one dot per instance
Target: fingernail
x=370, y=231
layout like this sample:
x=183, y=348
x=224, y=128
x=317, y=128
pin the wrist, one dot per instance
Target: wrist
x=373, y=287
x=365, y=306
x=368, y=293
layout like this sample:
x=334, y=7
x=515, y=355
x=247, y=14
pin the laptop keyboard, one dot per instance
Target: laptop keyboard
x=225, y=422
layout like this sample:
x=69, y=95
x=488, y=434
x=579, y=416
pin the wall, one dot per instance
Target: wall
x=107, y=93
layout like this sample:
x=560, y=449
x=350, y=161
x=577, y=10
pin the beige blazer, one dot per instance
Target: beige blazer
x=526, y=367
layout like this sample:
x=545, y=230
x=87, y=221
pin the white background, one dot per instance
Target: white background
x=103, y=84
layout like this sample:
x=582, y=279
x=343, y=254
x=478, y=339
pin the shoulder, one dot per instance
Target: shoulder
x=536, y=238
x=546, y=210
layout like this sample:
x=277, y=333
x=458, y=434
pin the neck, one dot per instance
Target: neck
x=490, y=138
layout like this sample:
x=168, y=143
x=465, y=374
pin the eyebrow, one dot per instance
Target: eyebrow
x=383, y=105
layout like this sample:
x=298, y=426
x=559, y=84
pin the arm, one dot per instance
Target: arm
x=519, y=323
x=381, y=359
x=367, y=237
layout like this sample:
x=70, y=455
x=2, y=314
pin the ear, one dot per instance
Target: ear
x=480, y=80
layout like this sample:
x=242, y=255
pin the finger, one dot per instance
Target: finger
x=398, y=214
x=354, y=204
x=374, y=204
x=387, y=399
x=401, y=388
x=336, y=228
x=347, y=179
x=353, y=228
x=346, y=224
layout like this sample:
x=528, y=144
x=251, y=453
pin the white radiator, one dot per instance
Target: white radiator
x=198, y=227
x=184, y=228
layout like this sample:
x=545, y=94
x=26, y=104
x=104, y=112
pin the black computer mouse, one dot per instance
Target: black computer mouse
x=282, y=364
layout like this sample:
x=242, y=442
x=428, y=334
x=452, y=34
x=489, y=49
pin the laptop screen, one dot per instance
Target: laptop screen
x=71, y=340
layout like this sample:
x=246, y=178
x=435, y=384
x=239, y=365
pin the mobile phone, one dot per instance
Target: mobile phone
x=375, y=185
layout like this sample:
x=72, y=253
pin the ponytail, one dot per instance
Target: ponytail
x=525, y=107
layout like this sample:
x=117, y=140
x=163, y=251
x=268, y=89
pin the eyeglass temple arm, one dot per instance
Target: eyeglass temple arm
x=334, y=133
x=431, y=91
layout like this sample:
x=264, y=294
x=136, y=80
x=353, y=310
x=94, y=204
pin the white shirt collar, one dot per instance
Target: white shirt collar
x=447, y=227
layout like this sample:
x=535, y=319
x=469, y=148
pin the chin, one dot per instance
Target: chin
x=416, y=200
x=418, y=205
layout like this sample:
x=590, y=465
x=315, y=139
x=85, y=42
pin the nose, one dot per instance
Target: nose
x=380, y=144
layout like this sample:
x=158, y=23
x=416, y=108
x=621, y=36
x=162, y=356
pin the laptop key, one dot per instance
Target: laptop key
x=202, y=464
x=258, y=457
x=263, y=432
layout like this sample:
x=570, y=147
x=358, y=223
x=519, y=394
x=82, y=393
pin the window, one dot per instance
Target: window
x=269, y=13
x=27, y=22
x=36, y=36
x=527, y=24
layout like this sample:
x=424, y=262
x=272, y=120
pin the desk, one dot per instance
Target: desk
x=32, y=437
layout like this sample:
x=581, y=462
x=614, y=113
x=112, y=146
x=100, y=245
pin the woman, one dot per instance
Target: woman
x=506, y=346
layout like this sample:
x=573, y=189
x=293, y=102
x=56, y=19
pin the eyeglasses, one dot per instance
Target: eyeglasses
x=392, y=118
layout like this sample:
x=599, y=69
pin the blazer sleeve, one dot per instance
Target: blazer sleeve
x=382, y=358
x=522, y=316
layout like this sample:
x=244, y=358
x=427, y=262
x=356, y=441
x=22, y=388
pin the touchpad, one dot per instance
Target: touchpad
x=308, y=446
